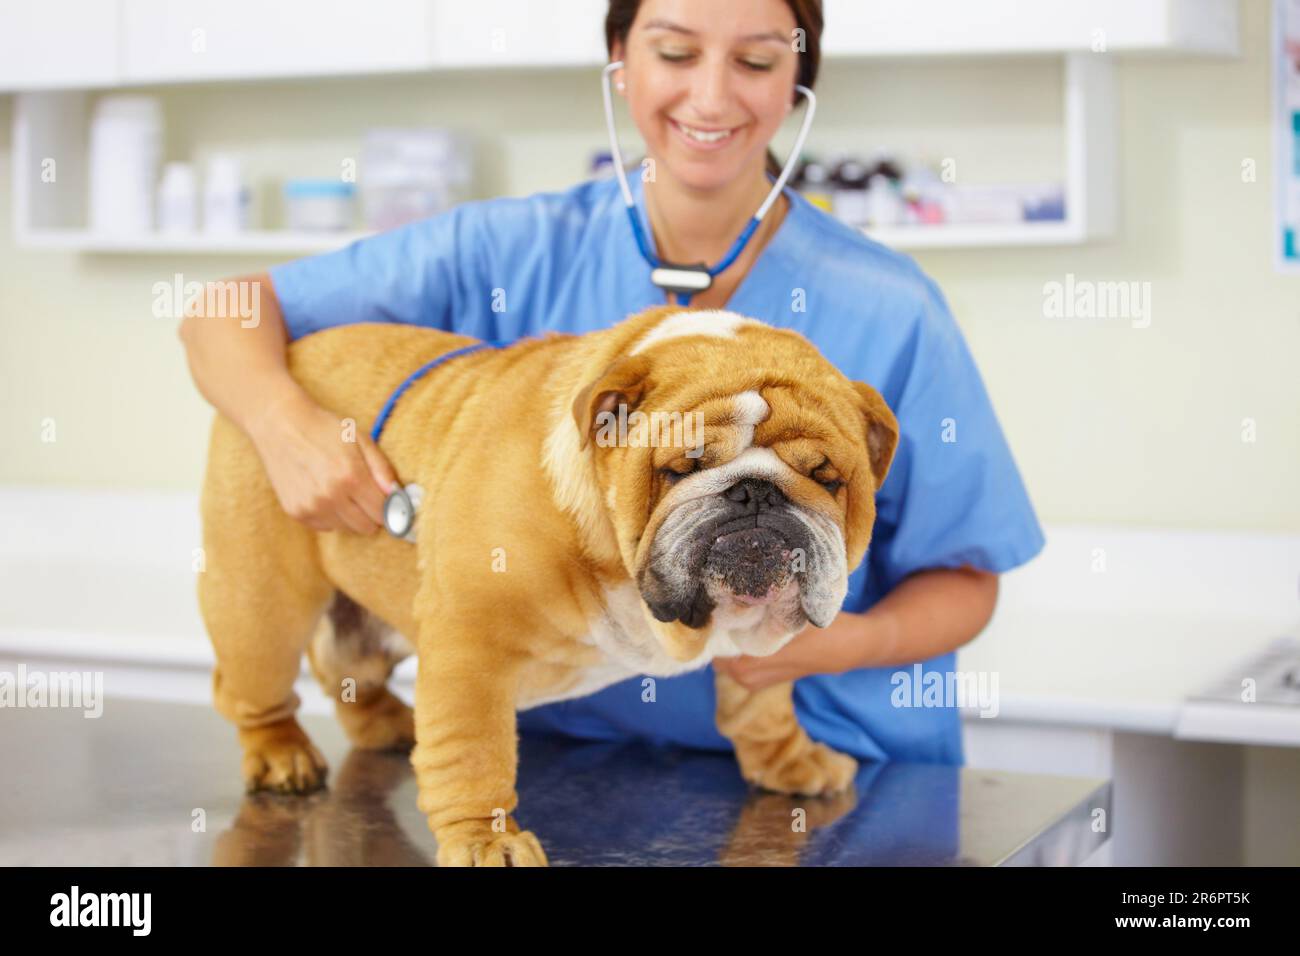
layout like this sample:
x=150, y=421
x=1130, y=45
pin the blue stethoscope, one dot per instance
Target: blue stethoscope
x=686, y=279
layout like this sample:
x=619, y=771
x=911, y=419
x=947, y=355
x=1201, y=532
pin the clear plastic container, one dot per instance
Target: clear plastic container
x=412, y=174
x=319, y=205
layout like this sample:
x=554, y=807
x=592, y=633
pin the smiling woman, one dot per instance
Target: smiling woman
x=708, y=85
x=796, y=40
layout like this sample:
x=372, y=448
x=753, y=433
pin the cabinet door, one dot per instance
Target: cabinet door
x=510, y=33
x=54, y=44
x=238, y=39
x=938, y=27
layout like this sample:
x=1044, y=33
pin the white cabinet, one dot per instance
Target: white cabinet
x=165, y=41
x=58, y=44
x=89, y=43
x=493, y=33
x=64, y=48
x=975, y=27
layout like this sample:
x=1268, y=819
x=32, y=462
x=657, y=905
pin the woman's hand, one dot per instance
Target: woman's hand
x=327, y=476
x=928, y=613
x=814, y=650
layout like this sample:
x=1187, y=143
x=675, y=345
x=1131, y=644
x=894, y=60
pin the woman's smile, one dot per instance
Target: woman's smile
x=703, y=137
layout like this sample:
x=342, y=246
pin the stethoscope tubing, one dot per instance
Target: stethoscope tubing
x=620, y=172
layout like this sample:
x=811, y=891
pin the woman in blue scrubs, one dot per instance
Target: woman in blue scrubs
x=708, y=86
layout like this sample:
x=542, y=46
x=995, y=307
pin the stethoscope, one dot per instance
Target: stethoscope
x=403, y=501
x=686, y=279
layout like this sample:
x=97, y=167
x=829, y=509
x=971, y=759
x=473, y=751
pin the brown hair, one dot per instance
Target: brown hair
x=807, y=17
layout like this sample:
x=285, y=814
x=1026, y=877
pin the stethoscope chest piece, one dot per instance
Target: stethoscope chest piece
x=682, y=279
x=399, y=511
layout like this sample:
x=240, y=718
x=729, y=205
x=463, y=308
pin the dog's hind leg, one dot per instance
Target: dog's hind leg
x=261, y=592
x=352, y=654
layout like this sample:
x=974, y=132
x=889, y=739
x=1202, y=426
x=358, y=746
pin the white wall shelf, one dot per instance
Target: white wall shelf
x=253, y=242
x=54, y=124
x=52, y=216
x=273, y=242
x=972, y=235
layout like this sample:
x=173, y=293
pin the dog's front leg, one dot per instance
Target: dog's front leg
x=774, y=752
x=465, y=753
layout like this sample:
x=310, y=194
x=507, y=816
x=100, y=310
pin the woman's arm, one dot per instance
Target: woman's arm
x=927, y=614
x=238, y=363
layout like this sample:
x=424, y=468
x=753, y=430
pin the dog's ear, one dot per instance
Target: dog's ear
x=882, y=430
x=622, y=383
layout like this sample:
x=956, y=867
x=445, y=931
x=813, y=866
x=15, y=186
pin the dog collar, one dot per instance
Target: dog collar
x=401, y=504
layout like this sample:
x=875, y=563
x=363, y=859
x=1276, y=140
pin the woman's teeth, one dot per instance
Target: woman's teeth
x=704, y=136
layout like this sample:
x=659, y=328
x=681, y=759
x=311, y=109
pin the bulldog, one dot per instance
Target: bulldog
x=565, y=542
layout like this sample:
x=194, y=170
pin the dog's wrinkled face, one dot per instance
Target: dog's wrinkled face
x=739, y=468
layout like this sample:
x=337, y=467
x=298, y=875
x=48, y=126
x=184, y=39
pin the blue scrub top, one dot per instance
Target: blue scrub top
x=508, y=268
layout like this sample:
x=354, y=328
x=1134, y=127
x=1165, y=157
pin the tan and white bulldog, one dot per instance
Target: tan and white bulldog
x=562, y=545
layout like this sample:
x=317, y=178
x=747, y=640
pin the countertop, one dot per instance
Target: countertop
x=153, y=783
x=1108, y=628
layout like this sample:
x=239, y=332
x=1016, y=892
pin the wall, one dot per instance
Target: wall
x=1110, y=423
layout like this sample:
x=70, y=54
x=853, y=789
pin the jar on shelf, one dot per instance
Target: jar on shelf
x=319, y=205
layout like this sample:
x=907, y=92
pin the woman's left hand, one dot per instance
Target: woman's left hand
x=814, y=650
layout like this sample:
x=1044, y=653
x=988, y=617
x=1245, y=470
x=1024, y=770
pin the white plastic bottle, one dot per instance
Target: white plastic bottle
x=225, y=196
x=125, y=144
x=178, y=199
x=884, y=207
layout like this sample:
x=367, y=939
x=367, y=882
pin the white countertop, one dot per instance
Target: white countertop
x=1116, y=628
x=1129, y=672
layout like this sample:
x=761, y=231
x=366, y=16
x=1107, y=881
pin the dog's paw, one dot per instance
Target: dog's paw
x=281, y=757
x=384, y=723
x=491, y=849
x=812, y=770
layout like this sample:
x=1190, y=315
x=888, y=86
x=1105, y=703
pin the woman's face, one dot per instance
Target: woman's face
x=708, y=83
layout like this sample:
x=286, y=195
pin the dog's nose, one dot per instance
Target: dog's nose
x=756, y=494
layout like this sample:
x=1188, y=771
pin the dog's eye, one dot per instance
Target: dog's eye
x=831, y=484
x=682, y=467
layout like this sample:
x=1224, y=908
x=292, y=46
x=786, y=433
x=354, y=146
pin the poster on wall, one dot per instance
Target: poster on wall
x=1287, y=59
